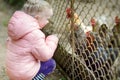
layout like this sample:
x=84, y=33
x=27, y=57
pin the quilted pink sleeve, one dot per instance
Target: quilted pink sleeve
x=44, y=48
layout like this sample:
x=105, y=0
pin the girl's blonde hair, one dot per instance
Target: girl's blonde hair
x=33, y=7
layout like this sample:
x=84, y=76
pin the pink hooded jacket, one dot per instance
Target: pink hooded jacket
x=26, y=47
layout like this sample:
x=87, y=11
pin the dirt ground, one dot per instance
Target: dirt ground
x=5, y=14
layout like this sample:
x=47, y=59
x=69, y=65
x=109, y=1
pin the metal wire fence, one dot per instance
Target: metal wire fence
x=89, y=43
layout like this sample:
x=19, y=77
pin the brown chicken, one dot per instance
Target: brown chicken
x=116, y=28
x=116, y=31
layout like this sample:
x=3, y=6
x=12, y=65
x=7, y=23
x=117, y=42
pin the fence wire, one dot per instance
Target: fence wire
x=89, y=41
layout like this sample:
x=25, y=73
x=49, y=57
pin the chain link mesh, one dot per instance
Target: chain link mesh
x=95, y=56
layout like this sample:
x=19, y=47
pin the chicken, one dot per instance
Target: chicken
x=78, y=24
x=116, y=31
x=100, y=26
x=103, y=30
x=104, y=34
x=116, y=28
x=81, y=31
x=94, y=25
x=76, y=18
x=117, y=20
x=78, y=32
x=97, y=22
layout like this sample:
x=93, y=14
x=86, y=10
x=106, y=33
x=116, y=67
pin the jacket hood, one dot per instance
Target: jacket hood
x=21, y=24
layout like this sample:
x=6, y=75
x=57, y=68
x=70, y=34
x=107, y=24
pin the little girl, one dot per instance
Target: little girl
x=29, y=52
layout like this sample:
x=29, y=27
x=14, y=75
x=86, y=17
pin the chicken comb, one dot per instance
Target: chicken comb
x=92, y=21
x=68, y=11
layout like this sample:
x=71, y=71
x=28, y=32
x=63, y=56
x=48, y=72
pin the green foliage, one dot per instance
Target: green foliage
x=15, y=3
